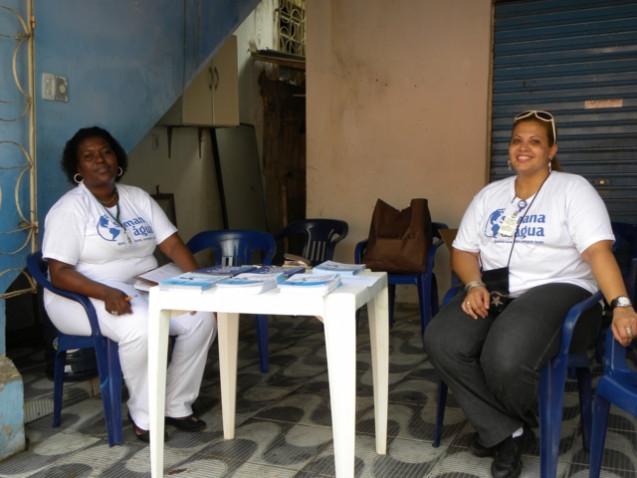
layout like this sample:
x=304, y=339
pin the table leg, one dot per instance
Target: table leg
x=378, y=312
x=158, y=326
x=340, y=344
x=228, y=342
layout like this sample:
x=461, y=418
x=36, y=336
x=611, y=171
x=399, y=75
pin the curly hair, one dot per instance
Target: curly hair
x=69, y=156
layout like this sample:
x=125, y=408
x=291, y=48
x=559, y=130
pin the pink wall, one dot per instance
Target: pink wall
x=397, y=107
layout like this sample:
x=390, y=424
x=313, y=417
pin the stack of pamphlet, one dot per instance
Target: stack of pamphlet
x=250, y=282
x=310, y=283
x=340, y=268
x=195, y=281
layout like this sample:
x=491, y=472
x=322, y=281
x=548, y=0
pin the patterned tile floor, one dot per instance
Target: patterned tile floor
x=283, y=421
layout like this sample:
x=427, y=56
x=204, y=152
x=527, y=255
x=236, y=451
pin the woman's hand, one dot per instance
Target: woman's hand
x=66, y=277
x=476, y=302
x=117, y=302
x=624, y=325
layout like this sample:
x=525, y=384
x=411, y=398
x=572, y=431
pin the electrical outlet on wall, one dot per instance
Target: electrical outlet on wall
x=54, y=87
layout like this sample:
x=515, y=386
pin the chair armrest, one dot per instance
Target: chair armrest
x=34, y=267
x=571, y=319
x=615, y=359
x=451, y=293
x=359, y=251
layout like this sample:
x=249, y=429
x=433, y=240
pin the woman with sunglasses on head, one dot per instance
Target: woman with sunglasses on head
x=97, y=238
x=528, y=248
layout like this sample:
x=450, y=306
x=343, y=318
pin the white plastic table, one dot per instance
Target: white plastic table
x=337, y=310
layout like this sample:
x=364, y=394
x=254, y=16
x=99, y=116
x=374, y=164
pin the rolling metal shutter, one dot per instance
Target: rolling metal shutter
x=578, y=60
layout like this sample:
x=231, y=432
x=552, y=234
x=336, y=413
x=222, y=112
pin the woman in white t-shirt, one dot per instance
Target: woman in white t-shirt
x=97, y=238
x=542, y=238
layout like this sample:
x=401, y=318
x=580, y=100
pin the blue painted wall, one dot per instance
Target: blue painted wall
x=126, y=62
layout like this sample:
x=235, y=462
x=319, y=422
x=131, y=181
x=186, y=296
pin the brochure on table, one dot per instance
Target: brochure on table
x=341, y=268
x=250, y=282
x=195, y=281
x=310, y=283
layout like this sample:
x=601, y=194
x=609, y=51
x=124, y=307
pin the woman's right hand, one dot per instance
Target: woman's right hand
x=66, y=277
x=117, y=302
x=476, y=302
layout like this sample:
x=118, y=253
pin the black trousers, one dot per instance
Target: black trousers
x=492, y=365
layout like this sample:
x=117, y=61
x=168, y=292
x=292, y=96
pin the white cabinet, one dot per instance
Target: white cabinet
x=212, y=99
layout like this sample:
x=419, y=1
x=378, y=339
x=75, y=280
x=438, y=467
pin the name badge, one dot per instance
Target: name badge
x=510, y=223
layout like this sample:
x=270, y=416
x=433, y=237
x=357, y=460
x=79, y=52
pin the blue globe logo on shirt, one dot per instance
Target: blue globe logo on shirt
x=493, y=224
x=107, y=228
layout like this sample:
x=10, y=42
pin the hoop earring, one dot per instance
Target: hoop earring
x=120, y=171
x=77, y=178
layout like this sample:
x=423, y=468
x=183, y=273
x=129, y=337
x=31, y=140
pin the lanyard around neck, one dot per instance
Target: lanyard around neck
x=517, y=226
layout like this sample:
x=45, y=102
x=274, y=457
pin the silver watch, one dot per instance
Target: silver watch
x=621, y=301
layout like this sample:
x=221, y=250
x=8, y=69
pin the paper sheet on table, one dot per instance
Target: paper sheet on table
x=153, y=277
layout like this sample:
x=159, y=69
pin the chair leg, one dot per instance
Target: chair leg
x=391, y=292
x=116, y=434
x=58, y=386
x=598, y=435
x=440, y=413
x=106, y=354
x=262, y=337
x=585, y=386
x=424, y=299
x=434, y=295
x=552, y=378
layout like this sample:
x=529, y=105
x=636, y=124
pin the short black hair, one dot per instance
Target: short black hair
x=69, y=156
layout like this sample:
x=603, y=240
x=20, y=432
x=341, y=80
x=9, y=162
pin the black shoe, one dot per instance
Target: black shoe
x=190, y=423
x=507, y=462
x=141, y=434
x=478, y=449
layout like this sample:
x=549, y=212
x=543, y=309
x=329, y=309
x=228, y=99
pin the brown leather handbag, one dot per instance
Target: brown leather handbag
x=399, y=240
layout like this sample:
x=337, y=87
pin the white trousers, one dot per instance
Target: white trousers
x=194, y=335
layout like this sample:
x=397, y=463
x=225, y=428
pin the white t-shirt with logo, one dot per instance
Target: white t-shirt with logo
x=554, y=228
x=80, y=231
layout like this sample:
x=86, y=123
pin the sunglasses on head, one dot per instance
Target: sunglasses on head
x=542, y=116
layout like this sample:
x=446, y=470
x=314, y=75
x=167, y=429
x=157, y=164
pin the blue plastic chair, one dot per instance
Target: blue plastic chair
x=617, y=386
x=551, y=390
x=424, y=281
x=234, y=247
x=106, y=355
x=319, y=237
